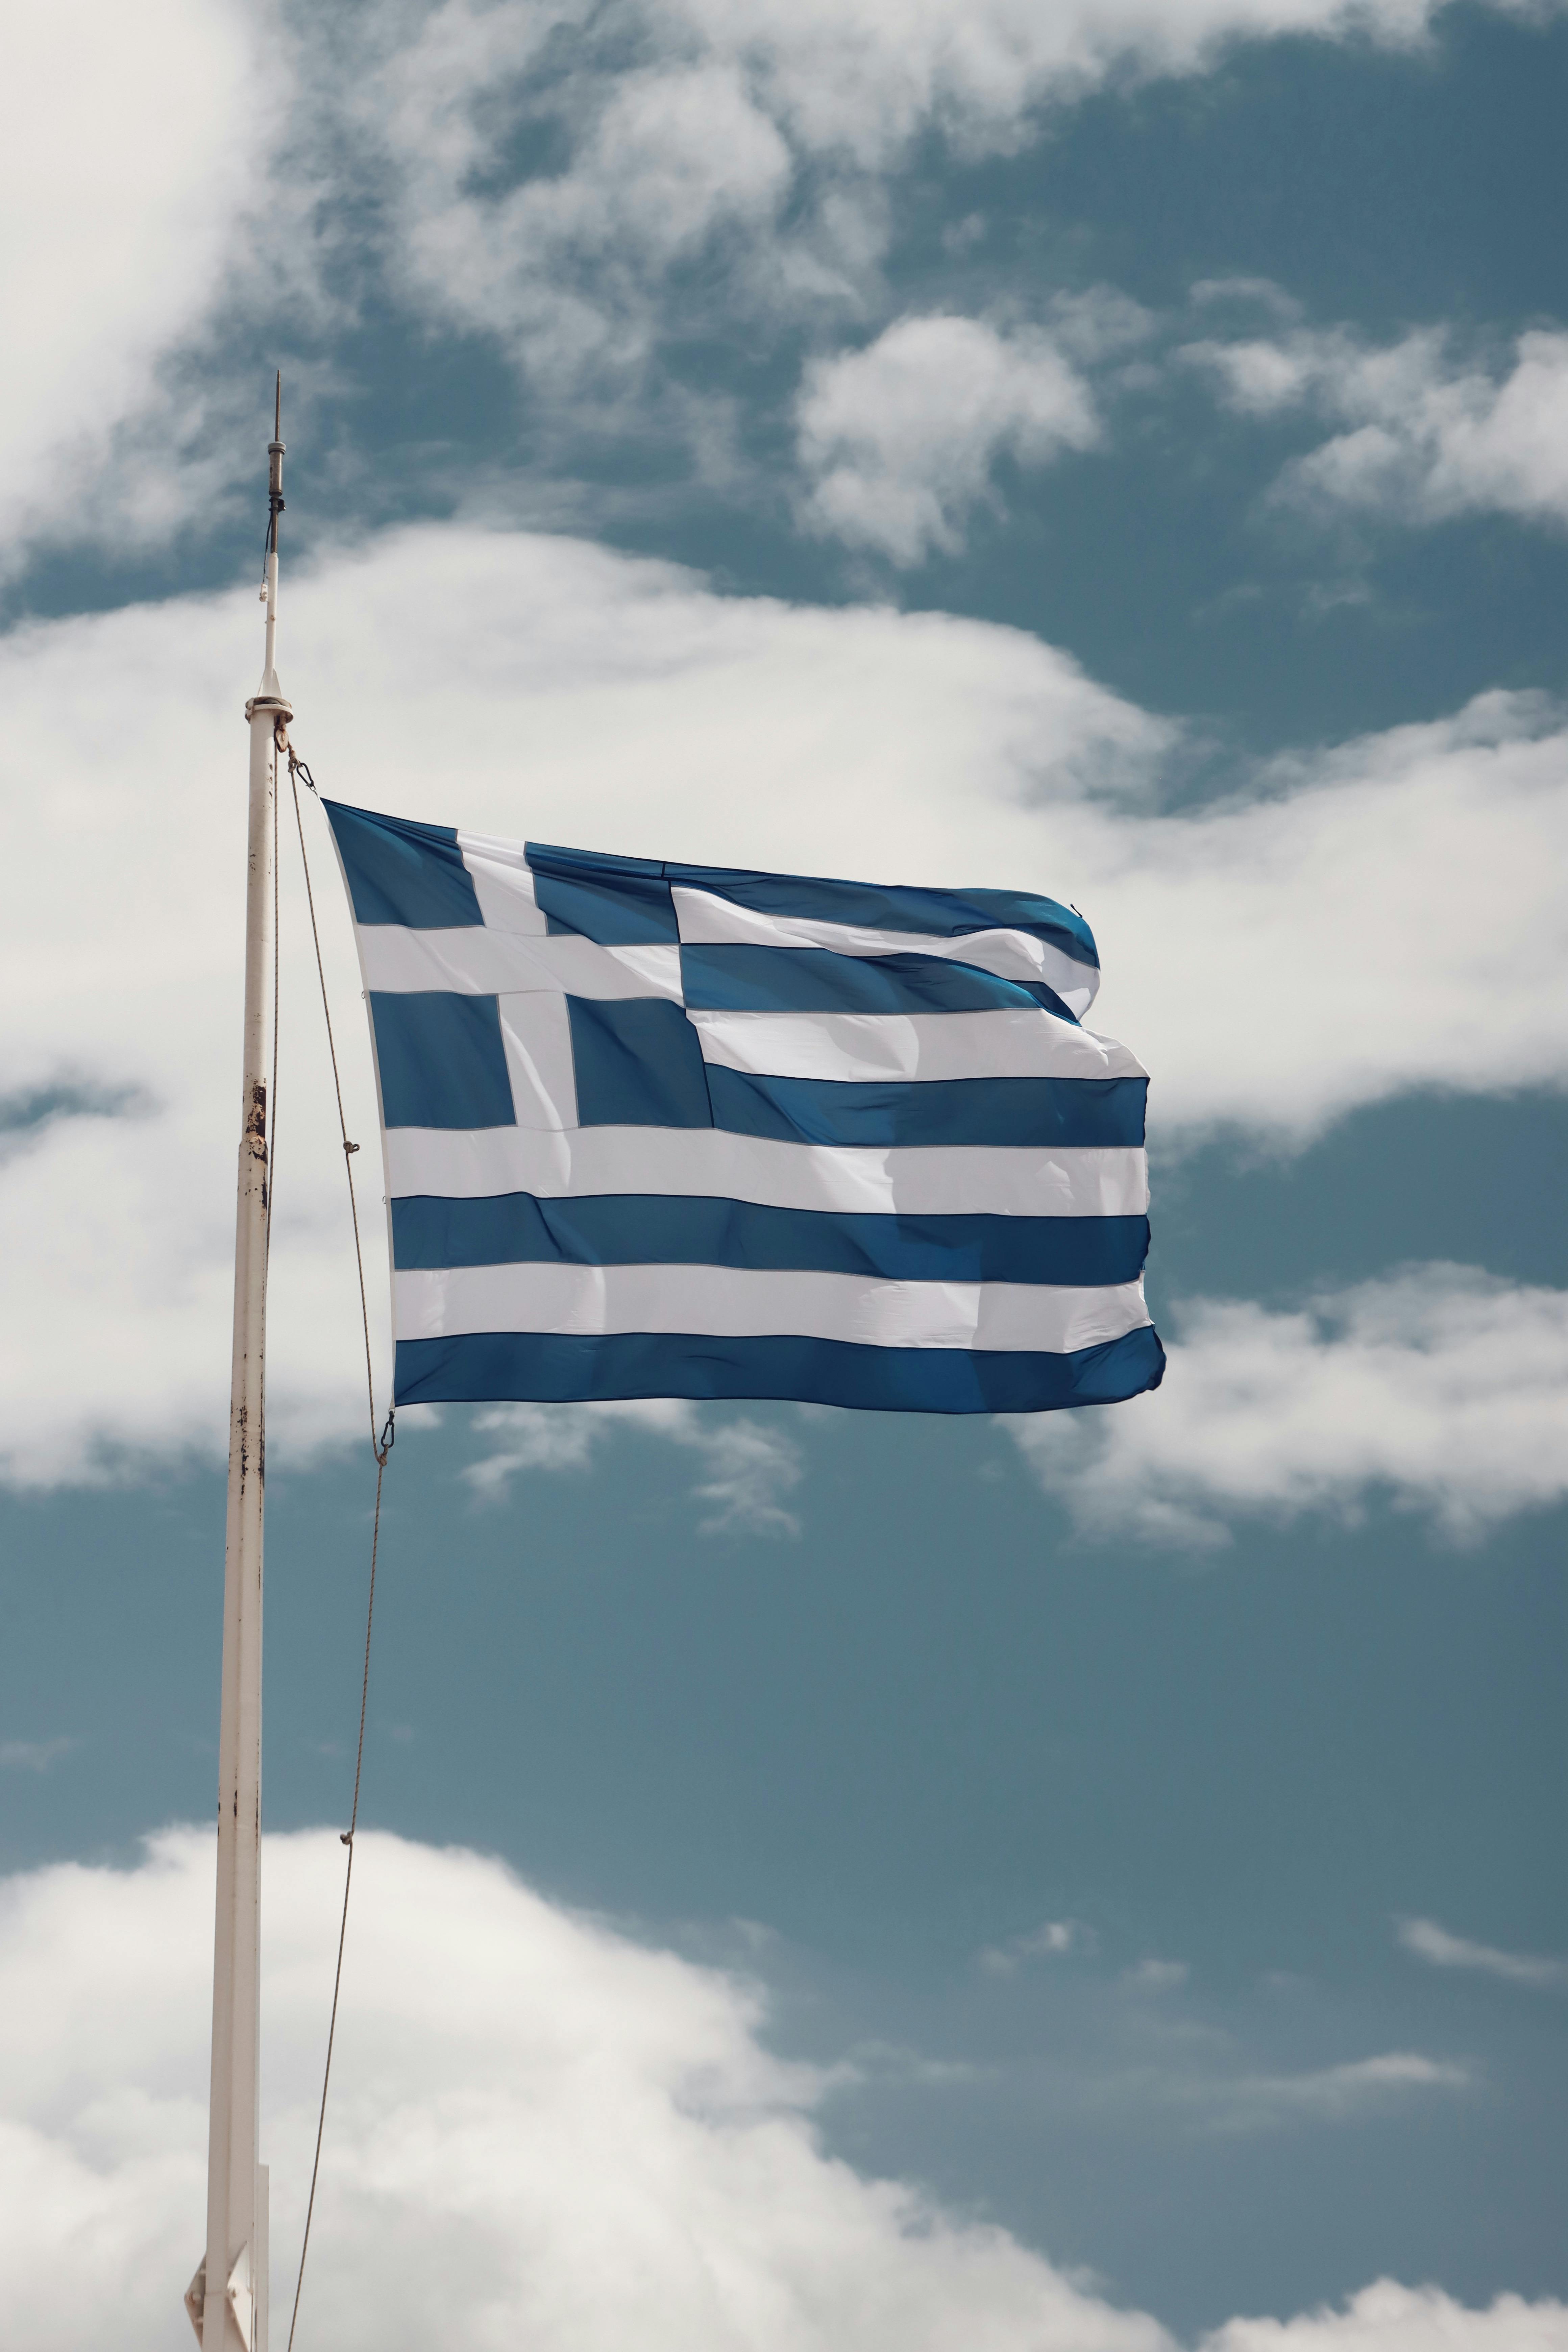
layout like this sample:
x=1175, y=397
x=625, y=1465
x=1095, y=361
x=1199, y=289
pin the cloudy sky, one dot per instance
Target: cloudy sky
x=838, y=1883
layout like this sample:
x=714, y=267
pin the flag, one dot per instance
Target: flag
x=655, y=1130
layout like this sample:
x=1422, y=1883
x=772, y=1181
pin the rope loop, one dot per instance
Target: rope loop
x=296, y=769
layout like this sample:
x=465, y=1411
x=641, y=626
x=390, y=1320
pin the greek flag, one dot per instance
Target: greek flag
x=674, y=1131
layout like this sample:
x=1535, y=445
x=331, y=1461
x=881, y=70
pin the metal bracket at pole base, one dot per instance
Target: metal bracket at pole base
x=196, y=2296
x=247, y=2296
x=241, y=2302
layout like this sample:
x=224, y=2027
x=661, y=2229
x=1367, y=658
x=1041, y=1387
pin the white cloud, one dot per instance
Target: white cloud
x=746, y=1469
x=33, y=1755
x=1049, y=1941
x=1337, y=2094
x=540, y=2132
x=1245, y=293
x=1168, y=2062
x=1292, y=952
x=591, y=188
x=757, y=139
x=1382, y=916
x=137, y=144
x=1388, y=2317
x=1440, y=1387
x=1425, y=436
x=560, y=1437
x=895, y=2063
x=1156, y=1976
x=1219, y=2100
x=1429, y=1942
x=565, y=268
x=900, y=438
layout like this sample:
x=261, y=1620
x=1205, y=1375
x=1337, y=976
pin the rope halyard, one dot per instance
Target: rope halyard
x=382, y=1448
x=296, y=769
x=348, y=1840
x=269, y=1130
x=279, y=730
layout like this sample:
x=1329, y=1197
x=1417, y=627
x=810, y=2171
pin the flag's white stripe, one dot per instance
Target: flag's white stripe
x=502, y=885
x=1085, y=1181
x=1011, y=1043
x=729, y=1302
x=479, y=961
x=536, y=1035
x=708, y=920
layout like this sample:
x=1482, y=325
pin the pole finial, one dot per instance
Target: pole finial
x=271, y=692
x=275, y=451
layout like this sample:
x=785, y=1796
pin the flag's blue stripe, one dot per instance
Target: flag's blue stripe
x=941, y=914
x=400, y=872
x=567, y=1367
x=637, y=1063
x=901, y=1114
x=441, y=1059
x=618, y=901
x=746, y=979
x=679, y=1229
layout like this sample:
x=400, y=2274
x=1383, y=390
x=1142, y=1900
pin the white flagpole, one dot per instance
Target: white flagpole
x=227, y=2298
